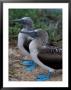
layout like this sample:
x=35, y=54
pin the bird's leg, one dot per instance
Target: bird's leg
x=28, y=57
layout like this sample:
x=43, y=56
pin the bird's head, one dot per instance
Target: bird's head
x=25, y=21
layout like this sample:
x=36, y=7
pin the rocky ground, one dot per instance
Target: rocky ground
x=17, y=71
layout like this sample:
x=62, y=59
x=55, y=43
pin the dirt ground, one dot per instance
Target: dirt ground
x=17, y=71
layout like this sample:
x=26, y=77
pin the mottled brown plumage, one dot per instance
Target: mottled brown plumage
x=51, y=56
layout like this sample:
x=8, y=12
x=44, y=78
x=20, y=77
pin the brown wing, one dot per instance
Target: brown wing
x=51, y=57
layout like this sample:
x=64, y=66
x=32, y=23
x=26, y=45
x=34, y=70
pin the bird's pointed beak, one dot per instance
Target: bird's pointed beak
x=16, y=20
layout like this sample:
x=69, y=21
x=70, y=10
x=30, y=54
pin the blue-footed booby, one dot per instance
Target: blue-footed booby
x=46, y=56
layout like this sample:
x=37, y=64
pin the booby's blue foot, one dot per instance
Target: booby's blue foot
x=27, y=62
x=43, y=77
x=29, y=65
x=30, y=68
